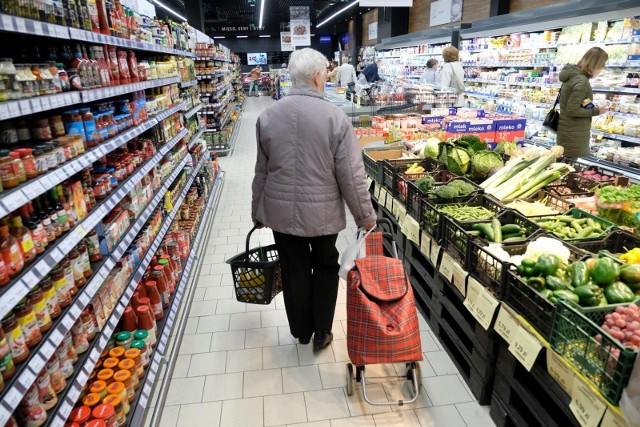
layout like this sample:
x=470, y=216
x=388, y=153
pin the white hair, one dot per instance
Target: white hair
x=304, y=63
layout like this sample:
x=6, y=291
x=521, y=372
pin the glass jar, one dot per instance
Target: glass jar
x=38, y=302
x=124, y=340
x=41, y=130
x=7, y=367
x=60, y=283
x=15, y=338
x=9, y=170
x=28, y=323
x=28, y=162
x=18, y=166
x=51, y=298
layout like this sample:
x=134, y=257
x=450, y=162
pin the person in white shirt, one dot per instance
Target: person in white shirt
x=452, y=73
x=346, y=73
x=430, y=76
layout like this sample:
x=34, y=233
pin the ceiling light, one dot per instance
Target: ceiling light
x=218, y=37
x=241, y=37
x=338, y=13
x=261, y=12
x=169, y=9
x=265, y=35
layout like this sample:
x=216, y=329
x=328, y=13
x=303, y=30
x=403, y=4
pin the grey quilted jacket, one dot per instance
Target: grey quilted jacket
x=308, y=162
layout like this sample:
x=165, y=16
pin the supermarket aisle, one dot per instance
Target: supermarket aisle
x=239, y=365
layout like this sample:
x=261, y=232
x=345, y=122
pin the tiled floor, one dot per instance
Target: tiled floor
x=239, y=365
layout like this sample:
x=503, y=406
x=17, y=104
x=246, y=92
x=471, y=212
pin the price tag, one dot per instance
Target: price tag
x=27, y=377
x=485, y=305
x=47, y=349
x=45, y=104
x=613, y=419
x=25, y=107
x=14, y=201
x=20, y=25
x=506, y=324
x=388, y=203
x=586, y=405
x=401, y=214
x=459, y=279
x=411, y=229
x=4, y=112
x=425, y=244
x=560, y=371
x=12, y=397
x=446, y=267
x=435, y=252
x=525, y=347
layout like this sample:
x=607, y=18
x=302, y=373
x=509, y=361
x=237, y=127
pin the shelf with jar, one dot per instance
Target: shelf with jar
x=408, y=62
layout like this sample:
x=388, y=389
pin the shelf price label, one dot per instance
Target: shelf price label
x=411, y=229
x=459, y=279
x=435, y=252
x=525, y=347
x=506, y=325
x=382, y=196
x=586, y=405
x=560, y=371
x=481, y=303
x=388, y=203
x=401, y=214
x=613, y=418
x=425, y=244
x=446, y=267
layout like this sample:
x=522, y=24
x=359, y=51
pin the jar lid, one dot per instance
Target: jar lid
x=127, y=364
x=112, y=400
x=96, y=423
x=91, y=399
x=115, y=387
x=116, y=352
x=123, y=336
x=110, y=363
x=133, y=352
x=80, y=414
x=98, y=386
x=163, y=262
x=105, y=374
x=122, y=376
x=138, y=345
x=141, y=334
x=104, y=411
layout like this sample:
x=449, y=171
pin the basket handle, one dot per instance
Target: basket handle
x=255, y=227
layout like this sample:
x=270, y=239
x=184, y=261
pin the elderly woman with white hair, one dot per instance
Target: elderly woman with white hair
x=308, y=162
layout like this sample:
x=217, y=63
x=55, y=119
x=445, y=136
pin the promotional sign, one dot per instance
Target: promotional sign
x=445, y=12
x=257, y=58
x=285, y=41
x=373, y=31
x=386, y=3
x=300, y=26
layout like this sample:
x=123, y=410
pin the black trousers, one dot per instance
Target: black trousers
x=309, y=281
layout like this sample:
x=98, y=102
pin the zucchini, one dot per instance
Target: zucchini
x=510, y=229
x=486, y=229
x=497, y=230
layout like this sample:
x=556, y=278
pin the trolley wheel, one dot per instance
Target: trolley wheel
x=350, y=379
x=414, y=366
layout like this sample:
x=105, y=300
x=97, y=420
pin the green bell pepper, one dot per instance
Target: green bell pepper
x=564, y=294
x=579, y=273
x=618, y=292
x=546, y=293
x=547, y=265
x=528, y=268
x=630, y=274
x=604, y=272
x=589, y=295
x=555, y=283
x=536, y=283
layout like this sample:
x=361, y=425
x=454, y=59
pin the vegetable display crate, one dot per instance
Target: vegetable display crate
x=585, y=183
x=394, y=169
x=466, y=344
x=488, y=269
x=579, y=214
x=607, y=364
x=432, y=218
x=551, y=200
x=390, y=226
x=436, y=199
x=619, y=241
x=415, y=195
x=568, y=189
x=503, y=415
x=456, y=235
x=426, y=287
x=534, y=396
x=373, y=158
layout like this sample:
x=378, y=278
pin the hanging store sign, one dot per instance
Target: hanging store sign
x=285, y=41
x=386, y=3
x=373, y=31
x=300, y=26
x=445, y=12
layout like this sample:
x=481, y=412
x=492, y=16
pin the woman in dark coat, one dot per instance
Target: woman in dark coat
x=576, y=108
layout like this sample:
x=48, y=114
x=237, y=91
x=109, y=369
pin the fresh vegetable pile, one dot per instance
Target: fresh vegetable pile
x=466, y=213
x=595, y=176
x=414, y=169
x=567, y=227
x=425, y=183
x=495, y=232
x=619, y=204
x=624, y=325
x=453, y=189
x=532, y=208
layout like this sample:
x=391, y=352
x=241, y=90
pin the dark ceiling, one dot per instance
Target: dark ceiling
x=222, y=14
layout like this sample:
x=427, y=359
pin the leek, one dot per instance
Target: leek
x=507, y=172
x=512, y=186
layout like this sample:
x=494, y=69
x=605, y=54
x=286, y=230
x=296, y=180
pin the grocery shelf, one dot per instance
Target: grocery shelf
x=621, y=89
x=211, y=76
x=39, y=104
x=520, y=101
x=190, y=83
x=28, y=370
x=506, y=64
x=502, y=82
x=84, y=367
x=627, y=115
x=619, y=137
x=555, y=45
x=211, y=58
x=20, y=25
x=196, y=137
x=146, y=385
x=631, y=172
x=11, y=294
x=12, y=199
x=193, y=111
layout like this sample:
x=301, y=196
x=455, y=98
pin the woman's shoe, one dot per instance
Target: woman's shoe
x=304, y=340
x=321, y=340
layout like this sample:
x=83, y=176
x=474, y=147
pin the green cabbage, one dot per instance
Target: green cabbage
x=484, y=163
x=458, y=160
x=431, y=148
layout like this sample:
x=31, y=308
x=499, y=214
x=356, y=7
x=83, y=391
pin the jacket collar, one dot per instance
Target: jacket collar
x=305, y=90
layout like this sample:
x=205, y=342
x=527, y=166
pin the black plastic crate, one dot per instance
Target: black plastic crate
x=395, y=178
x=607, y=226
x=373, y=158
x=433, y=197
x=619, y=241
x=529, y=303
x=489, y=270
x=585, y=183
x=415, y=195
x=552, y=200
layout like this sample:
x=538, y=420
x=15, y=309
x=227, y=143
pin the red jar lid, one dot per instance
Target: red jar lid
x=103, y=412
x=96, y=423
x=80, y=414
x=72, y=425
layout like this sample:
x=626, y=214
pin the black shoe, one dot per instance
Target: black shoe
x=304, y=340
x=321, y=340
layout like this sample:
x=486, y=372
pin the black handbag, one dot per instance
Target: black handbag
x=553, y=117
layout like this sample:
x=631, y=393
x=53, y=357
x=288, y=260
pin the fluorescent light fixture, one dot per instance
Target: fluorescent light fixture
x=219, y=37
x=169, y=10
x=338, y=13
x=265, y=35
x=241, y=37
x=262, y=12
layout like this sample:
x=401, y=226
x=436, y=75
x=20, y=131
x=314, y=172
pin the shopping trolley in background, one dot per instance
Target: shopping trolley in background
x=382, y=320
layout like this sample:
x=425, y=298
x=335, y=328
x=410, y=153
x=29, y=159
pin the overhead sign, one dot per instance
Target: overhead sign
x=285, y=41
x=386, y=3
x=300, y=26
x=445, y=12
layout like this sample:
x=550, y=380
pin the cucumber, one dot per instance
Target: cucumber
x=486, y=229
x=510, y=229
x=497, y=230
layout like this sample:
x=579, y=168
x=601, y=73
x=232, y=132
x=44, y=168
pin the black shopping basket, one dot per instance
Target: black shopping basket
x=256, y=274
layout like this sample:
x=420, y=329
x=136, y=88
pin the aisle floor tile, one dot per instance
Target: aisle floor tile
x=301, y=378
x=203, y=308
x=440, y=416
x=262, y=383
x=198, y=343
x=244, y=321
x=169, y=417
x=215, y=323
x=441, y=363
x=185, y=390
x=326, y=404
x=230, y=340
x=284, y=409
x=230, y=306
x=363, y=421
x=282, y=356
x=397, y=419
x=263, y=337
x=223, y=387
x=445, y=390
x=474, y=414
x=207, y=364
x=273, y=318
x=195, y=413
x=244, y=360
x=242, y=413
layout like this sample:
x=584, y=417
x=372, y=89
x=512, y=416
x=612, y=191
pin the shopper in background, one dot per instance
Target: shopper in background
x=576, y=106
x=430, y=76
x=371, y=72
x=346, y=73
x=452, y=74
x=333, y=74
x=360, y=65
x=308, y=162
x=255, y=75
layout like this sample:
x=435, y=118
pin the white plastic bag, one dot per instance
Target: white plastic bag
x=630, y=401
x=356, y=250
